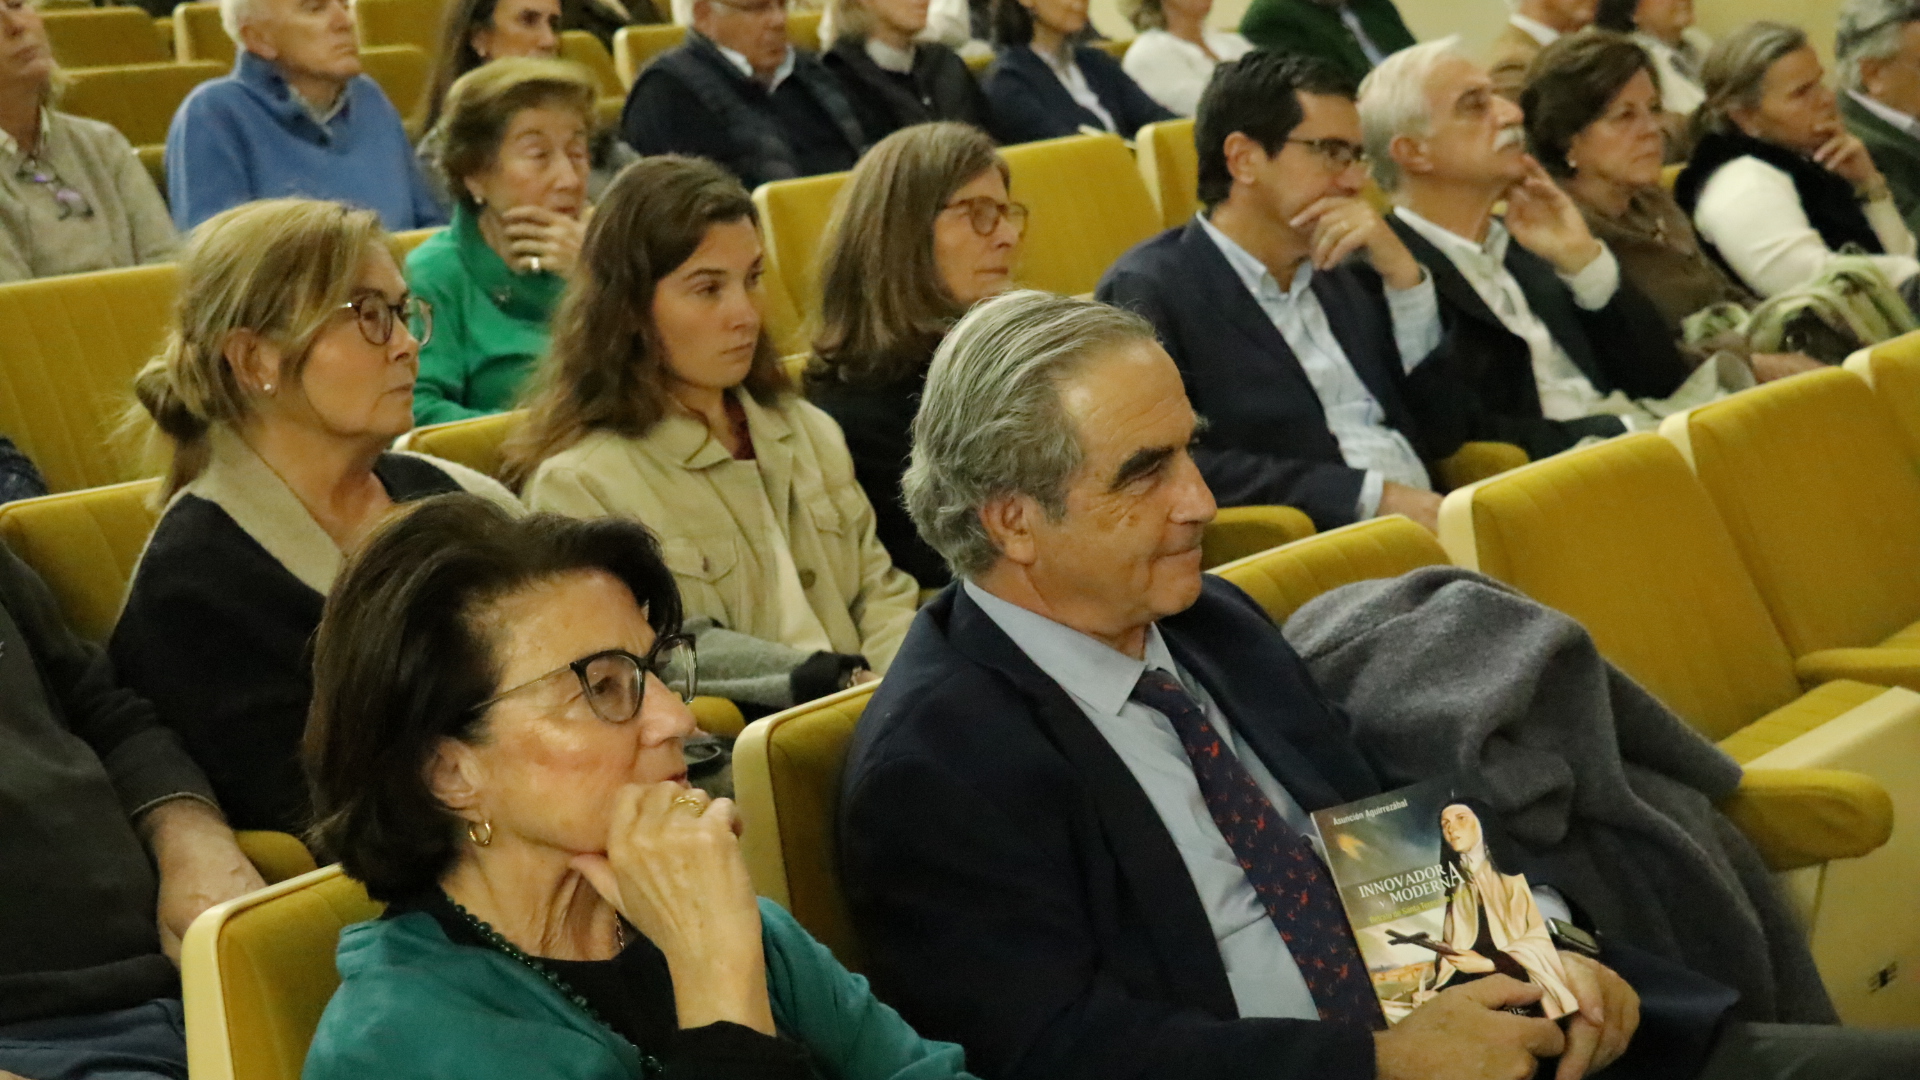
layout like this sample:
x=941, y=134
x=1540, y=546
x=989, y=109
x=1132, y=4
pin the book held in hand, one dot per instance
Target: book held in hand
x=1429, y=907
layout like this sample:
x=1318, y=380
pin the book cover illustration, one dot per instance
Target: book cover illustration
x=1429, y=907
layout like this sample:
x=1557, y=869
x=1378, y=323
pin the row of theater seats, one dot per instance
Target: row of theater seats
x=1747, y=565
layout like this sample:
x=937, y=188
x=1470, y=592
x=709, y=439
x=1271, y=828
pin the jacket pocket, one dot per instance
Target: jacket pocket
x=708, y=558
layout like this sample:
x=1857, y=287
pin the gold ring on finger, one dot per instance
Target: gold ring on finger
x=699, y=804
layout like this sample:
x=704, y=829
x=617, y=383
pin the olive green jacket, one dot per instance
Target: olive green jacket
x=1315, y=29
x=1895, y=153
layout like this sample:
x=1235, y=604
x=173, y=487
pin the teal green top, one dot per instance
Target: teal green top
x=489, y=323
x=413, y=1005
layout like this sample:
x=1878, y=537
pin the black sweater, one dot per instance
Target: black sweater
x=80, y=758
x=878, y=422
x=938, y=88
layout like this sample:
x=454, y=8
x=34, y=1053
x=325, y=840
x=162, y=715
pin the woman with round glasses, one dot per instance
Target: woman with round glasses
x=288, y=371
x=495, y=751
x=922, y=231
x=661, y=400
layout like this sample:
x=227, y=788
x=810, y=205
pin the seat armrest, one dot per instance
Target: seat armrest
x=1874, y=666
x=1804, y=817
x=277, y=855
x=1238, y=531
x=718, y=716
x=1476, y=461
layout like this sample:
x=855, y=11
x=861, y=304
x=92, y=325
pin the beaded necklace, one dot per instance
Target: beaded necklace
x=649, y=1065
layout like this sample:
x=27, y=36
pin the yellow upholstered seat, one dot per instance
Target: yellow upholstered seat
x=793, y=224
x=786, y=776
x=256, y=974
x=100, y=37
x=979, y=62
x=399, y=22
x=277, y=855
x=1239, y=531
x=584, y=49
x=402, y=72
x=1477, y=461
x=198, y=34
x=1283, y=579
x=634, y=47
x=68, y=353
x=84, y=545
x=1114, y=47
x=1088, y=206
x=474, y=442
x=1892, y=368
x=1170, y=165
x=803, y=30
x=1819, y=490
x=137, y=99
x=405, y=242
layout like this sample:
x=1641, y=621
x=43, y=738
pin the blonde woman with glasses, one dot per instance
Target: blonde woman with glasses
x=288, y=371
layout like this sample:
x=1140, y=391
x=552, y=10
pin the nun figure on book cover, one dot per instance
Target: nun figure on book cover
x=1492, y=924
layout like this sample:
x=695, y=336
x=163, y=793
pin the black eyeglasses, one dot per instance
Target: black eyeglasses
x=614, y=681
x=984, y=213
x=70, y=201
x=376, y=317
x=1338, y=153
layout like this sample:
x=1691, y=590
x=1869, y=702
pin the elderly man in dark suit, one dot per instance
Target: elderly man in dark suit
x=1292, y=310
x=1876, y=45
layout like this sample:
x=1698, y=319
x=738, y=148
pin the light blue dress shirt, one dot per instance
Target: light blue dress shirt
x=1355, y=418
x=1260, y=969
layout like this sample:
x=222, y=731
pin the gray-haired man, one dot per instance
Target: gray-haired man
x=1877, y=46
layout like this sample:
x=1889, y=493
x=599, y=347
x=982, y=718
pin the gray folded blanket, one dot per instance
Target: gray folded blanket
x=1446, y=671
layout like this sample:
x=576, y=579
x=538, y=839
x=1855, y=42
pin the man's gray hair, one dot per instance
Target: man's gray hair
x=1734, y=74
x=1869, y=30
x=235, y=14
x=1393, y=102
x=991, y=422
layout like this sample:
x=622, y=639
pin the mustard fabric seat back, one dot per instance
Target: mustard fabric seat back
x=786, y=776
x=793, y=224
x=84, y=545
x=69, y=349
x=1088, y=206
x=584, y=49
x=1239, y=531
x=474, y=443
x=100, y=37
x=257, y=972
x=1892, y=368
x=399, y=22
x=404, y=242
x=1284, y=579
x=1815, y=482
x=634, y=47
x=1622, y=537
x=402, y=72
x=803, y=30
x=198, y=34
x=1170, y=164
x=139, y=100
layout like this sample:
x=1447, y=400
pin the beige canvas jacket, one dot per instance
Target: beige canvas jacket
x=832, y=588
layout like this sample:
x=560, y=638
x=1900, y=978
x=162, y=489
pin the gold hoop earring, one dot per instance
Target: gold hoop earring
x=480, y=832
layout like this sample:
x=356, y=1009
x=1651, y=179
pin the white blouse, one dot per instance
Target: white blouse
x=1173, y=71
x=1750, y=211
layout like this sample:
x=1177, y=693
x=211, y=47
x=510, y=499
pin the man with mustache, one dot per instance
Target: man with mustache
x=1544, y=343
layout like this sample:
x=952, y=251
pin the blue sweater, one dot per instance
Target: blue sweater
x=248, y=137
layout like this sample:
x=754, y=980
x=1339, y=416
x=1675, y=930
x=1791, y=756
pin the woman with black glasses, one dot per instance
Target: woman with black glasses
x=73, y=196
x=288, y=371
x=496, y=751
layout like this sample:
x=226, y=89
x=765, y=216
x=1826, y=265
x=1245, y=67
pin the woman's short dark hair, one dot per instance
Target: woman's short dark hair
x=1257, y=95
x=1571, y=84
x=1012, y=24
x=1617, y=15
x=401, y=662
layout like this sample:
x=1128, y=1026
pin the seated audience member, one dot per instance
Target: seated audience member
x=1293, y=311
x=514, y=148
x=922, y=231
x=1545, y=345
x=1352, y=35
x=892, y=79
x=477, y=31
x=1043, y=86
x=739, y=94
x=605, y=18
x=1534, y=25
x=1777, y=186
x=1665, y=29
x=1877, y=45
x=288, y=371
x=1072, y=823
x=296, y=118
x=1176, y=51
x=661, y=400
x=1593, y=117
x=112, y=846
x=499, y=711
x=73, y=196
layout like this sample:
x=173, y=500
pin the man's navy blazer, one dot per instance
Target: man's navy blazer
x=1016, y=891
x=1479, y=383
x=1029, y=103
x=1267, y=439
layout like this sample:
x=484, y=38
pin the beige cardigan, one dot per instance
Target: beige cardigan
x=129, y=224
x=835, y=589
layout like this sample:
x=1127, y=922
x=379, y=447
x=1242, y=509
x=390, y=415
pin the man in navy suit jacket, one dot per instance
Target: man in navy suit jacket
x=1294, y=313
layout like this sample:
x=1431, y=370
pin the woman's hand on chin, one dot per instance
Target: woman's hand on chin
x=673, y=868
x=537, y=233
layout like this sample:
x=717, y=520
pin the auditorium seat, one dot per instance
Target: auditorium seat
x=84, y=545
x=584, y=49
x=67, y=360
x=634, y=47
x=786, y=778
x=100, y=37
x=1088, y=207
x=400, y=22
x=277, y=856
x=1239, y=531
x=1477, y=461
x=257, y=972
x=803, y=30
x=1892, y=368
x=1283, y=579
x=402, y=72
x=199, y=35
x=1817, y=485
x=1114, y=48
x=405, y=242
x=474, y=442
x=138, y=100
x=793, y=225
x=1170, y=165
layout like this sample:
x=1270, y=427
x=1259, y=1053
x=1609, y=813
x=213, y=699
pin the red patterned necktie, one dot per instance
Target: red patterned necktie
x=1281, y=865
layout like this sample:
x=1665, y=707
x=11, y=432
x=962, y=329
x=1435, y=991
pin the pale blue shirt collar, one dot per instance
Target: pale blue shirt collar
x=1251, y=271
x=1091, y=671
x=745, y=67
